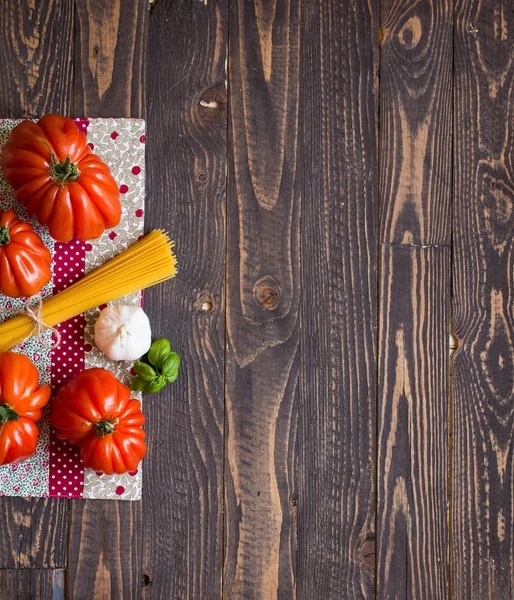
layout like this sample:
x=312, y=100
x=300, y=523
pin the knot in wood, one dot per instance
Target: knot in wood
x=266, y=292
x=368, y=554
x=204, y=302
x=213, y=104
x=410, y=33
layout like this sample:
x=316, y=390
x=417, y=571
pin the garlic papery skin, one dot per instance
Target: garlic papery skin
x=123, y=332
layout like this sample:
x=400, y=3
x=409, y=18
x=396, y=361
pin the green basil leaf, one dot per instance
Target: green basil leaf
x=138, y=385
x=170, y=365
x=156, y=385
x=158, y=351
x=144, y=371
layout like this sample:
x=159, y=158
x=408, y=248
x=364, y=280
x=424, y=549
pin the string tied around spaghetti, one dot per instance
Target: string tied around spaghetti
x=39, y=325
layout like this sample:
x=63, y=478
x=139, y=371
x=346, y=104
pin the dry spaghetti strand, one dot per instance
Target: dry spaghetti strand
x=149, y=261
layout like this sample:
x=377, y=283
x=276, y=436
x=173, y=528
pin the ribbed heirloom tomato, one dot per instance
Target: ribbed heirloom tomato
x=95, y=412
x=21, y=406
x=24, y=259
x=60, y=181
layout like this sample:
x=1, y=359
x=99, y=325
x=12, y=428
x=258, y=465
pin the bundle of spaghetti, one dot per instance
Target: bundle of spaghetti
x=147, y=262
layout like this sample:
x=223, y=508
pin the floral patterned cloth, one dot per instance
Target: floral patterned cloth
x=56, y=469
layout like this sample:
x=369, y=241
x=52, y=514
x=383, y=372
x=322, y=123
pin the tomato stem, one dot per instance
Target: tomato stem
x=4, y=236
x=105, y=427
x=63, y=172
x=7, y=414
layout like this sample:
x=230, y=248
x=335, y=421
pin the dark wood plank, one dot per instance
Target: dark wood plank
x=183, y=490
x=36, y=76
x=482, y=540
x=416, y=121
x=412, y=559
x=36, y=57
x=109, y=59
x=335, y=463
x=33, y=533
x=32, y=584
x=104, y=555
x=263, y=211
x=414, y=300
x=105, y=538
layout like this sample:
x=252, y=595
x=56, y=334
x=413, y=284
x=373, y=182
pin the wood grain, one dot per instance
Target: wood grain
x=104, y=550
x=414, y=300
x=36, y=57
x=334, y=476
x=263, y=209
x=297, y=354
x=36, y=76
x=33, y=533
x=412, y=517
x=110, y=58
x=105, y=537
x=416, y=121
x=482, y=541
x=32, y=584
x=186, y=150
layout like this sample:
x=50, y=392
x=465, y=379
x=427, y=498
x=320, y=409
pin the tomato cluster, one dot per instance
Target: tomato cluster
x=64, y=186
x=70, y=190
x=95, y=411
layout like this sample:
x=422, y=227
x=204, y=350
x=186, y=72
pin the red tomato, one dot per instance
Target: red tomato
x=24, y=259
x=21, y=404
x=95, y=412
x=60, y=181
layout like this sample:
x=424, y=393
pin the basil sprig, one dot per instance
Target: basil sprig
x=160, y=368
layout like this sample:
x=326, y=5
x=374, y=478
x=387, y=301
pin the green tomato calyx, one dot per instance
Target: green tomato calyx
x=63, y=172
x=7, y=414
x=105, y=427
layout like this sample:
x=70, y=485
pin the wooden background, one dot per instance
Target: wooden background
x=339, y=178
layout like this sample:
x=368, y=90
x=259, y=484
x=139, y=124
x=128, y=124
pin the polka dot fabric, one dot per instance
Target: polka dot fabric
x=69, y=264
x=31, y=477
x=56, y=469
x=66, y=470
x=121, y=144
x=66, y=467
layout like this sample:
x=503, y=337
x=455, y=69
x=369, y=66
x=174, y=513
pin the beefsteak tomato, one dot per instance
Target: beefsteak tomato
x=60, y=181
x=95, y=411
x=21, y=404
x=24, y=259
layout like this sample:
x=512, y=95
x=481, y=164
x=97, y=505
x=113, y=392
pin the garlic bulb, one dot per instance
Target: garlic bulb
x=123, y=332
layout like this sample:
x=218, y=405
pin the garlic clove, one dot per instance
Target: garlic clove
x=123, y=332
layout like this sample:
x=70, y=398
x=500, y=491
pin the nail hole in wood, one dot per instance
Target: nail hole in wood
x=213, y=104
x=147, y=580
x=210, y=104
x=205, y=302
x=454, y=343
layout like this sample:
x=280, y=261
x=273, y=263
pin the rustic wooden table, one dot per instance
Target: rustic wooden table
x=359, y=187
